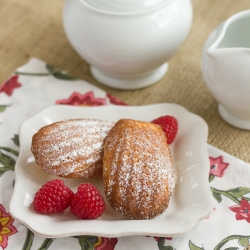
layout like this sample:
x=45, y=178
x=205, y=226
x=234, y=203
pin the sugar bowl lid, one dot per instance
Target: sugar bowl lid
x=124, y=6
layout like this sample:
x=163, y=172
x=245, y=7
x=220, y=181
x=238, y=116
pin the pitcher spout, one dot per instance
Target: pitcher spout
x=233, y=33
x=228, y=42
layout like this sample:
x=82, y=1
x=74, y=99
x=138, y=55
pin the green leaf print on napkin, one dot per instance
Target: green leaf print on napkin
x=46, y=244
x=242, y=241
x=161, y=245
x=3, y=107
x=235, y=194
x=10, y=150
x=15, y=139
x=29, y=242
x=87, y=242
x=59, y=74
x=6, y=160
x=194, y=247
x=51, y=71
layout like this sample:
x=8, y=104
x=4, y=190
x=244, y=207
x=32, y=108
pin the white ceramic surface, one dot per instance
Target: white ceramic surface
x=190, y=202
x=225, y=67
x=125, y=6
x=127, y=43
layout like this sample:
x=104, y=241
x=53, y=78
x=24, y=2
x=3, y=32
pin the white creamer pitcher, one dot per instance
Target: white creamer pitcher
x=127, y=43
x=226, y=68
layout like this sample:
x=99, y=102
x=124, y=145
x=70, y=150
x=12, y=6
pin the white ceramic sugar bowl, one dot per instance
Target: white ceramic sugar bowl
x=127, y=42
x=226, y=68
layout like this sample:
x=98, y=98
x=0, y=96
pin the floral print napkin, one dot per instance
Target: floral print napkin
x=37, y=85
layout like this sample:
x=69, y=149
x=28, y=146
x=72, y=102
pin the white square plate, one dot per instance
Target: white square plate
x=191, y=200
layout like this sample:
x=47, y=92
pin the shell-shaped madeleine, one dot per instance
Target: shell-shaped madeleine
x=137, y=169
x=71, y=148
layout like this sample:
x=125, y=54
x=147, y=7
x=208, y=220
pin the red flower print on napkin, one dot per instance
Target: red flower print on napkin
x=115, y=101
x=106, y=243
x=161, y=242
x=162, y=238
x=6, y=227
x=86, y=99
x=217, y=166
x=9, y=86
x=242, y=210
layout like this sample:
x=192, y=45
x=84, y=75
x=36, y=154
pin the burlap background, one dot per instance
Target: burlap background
x=31, y=28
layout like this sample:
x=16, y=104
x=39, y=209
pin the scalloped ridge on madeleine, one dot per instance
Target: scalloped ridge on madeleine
x=71, y=148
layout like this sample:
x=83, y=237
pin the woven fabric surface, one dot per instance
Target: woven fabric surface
x=35, y=29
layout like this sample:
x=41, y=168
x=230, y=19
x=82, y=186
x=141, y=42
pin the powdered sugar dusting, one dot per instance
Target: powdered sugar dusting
x=138, y=173
x=71, y=147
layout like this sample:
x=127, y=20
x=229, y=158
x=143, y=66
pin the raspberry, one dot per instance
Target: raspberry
x=53, y=197
x=88, y=202
x=169, y=125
